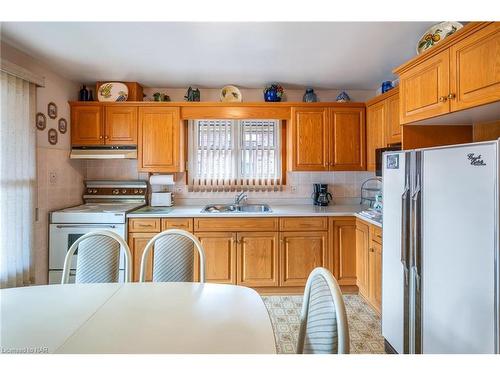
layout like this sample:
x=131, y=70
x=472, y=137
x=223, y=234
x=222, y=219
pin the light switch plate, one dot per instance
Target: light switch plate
x=52, y=177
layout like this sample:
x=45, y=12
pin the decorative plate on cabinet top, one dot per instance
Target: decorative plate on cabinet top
x=112, y=92
x=230, y=94
x=437, y=33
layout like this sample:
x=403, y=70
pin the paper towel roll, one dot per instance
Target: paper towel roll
x=162, y=179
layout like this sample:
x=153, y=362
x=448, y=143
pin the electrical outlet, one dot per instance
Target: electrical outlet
x=52, y=177
x=179, y=189
x=293, y=189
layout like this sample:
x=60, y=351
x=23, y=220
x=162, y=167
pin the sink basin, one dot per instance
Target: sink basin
x=225, y=208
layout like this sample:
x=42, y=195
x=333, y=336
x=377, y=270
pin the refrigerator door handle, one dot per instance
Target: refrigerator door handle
x=405, y=235
x=416, y=203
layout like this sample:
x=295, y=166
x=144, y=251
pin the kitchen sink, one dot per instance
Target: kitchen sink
x=236, y=208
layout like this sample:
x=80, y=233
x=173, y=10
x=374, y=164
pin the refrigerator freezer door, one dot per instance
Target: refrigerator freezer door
x=459, y=204
x=393, y=275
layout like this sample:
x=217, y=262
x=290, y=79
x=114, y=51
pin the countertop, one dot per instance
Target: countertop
x=277, y=211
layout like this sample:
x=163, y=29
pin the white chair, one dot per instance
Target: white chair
x=173, y=256
x=323, y=320
x=98, y=258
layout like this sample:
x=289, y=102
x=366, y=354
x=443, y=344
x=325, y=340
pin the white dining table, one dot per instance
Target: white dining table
x=135, y=318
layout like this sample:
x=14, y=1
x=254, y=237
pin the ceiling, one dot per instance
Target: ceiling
x=350, y=55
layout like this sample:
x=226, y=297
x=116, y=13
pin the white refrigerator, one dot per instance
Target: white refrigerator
x=440, y=253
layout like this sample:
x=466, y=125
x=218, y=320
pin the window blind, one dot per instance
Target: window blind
x=229, y=155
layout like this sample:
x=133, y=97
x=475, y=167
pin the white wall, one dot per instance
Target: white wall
x=67, y=187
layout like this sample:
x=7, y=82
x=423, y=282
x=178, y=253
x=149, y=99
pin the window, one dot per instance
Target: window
x=234, y=154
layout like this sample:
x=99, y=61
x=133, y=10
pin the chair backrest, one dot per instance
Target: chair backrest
x=323, y=321
x=98, y=258
x=173, y=256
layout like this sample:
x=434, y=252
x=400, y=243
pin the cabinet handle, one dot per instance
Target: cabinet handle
x=100, y=137
x=451, y=96
x=106, y=137
x=442, y=99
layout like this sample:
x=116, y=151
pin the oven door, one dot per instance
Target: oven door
x=62, y=236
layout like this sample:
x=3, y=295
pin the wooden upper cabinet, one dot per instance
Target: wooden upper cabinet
x=308, y=139
x=424, y=89
x=120, y=124
x=392, y=131
x=475, y=69
x=257, y=258
x=347, y=139
x=160, y=140
x=300, y=253
x=375, y=126
x=86, y=125
x=220, y=257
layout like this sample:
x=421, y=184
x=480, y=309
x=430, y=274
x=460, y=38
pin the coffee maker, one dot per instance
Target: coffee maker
x=320, y=195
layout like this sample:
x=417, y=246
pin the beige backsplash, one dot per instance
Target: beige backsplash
x=345, y=186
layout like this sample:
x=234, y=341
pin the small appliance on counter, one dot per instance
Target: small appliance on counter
x=160, y=196
x=320, y=195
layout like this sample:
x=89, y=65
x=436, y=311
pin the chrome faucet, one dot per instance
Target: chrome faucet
x=240, y=197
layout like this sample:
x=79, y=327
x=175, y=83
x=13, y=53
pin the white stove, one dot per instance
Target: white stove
x=106, y=206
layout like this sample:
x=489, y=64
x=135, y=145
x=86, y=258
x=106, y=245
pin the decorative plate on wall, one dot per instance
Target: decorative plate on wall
x=52, y=110
x=62, y=124
x=40, y=121
x=437, y=33
x=112, y=92
x=230, y=94
x=52, y=136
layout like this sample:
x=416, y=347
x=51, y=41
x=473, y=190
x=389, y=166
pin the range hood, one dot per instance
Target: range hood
x=104, y=152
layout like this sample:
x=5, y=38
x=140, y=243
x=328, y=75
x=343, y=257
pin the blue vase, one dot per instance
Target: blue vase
x=271, y=95
x=310, y=96
x=386, y=86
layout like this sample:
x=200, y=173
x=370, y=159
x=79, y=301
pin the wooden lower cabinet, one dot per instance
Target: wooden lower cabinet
x=362, y=246
x=220, y=257
x=257, y=259
x=137, y=242
x=369, y=263
x=343, y=237
x=375, y=275
x=300, y=253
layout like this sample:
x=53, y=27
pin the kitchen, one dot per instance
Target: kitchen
x=273, y=184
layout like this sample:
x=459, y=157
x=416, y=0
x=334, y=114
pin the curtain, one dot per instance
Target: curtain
x=230, y=155
x=17, y=180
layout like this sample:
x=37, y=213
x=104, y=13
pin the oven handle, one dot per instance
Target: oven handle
x=86, y=226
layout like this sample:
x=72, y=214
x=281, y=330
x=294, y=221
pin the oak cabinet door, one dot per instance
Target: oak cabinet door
x=159, y=140
x=424, y=89
x=475, y=69
x=137, y=242
x=343, y=232
x=220, y=257
x=375, y=275
x=392, y=125
x=258, y=259
x=362, y=250
x=120, y=125
x=86, y=125
x=309, y=139
x=300, y=253
x=347, y=139
x=375, y=124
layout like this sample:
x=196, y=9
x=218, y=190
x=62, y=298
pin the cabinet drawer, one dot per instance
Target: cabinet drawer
x=220, y=224
x=376, y=234
x=303, y=223
x=144, y=225
x=177, y=223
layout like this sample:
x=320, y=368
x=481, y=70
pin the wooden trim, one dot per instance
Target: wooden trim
x=383, y=96
x=223, y=104
x=464, y=32
x=486, y=131
x=225, y=224
x=420, y=136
